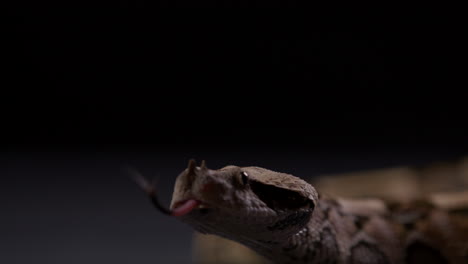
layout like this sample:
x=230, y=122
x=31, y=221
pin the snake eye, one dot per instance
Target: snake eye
x=244, y=178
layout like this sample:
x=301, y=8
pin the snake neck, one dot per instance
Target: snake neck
x=314, y=243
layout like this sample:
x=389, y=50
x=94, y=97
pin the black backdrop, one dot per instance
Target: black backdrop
x=186, y=77
x=85, y=93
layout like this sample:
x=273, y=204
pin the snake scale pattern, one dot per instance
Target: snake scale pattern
x=285, y=219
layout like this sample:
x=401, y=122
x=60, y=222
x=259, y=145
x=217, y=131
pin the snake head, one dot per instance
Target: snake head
x=242, y=203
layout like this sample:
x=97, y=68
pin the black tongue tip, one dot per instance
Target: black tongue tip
x=149, y=188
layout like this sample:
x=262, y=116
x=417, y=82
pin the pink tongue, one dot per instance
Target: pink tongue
x=185, y=208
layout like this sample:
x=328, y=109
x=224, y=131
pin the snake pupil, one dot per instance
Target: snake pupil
x=244, y=178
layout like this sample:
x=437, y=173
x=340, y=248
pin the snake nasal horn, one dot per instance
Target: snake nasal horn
x=192, y=168
x=203, y=165
x=192, y=165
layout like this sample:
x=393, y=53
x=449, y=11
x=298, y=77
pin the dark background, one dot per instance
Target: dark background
x=84, y=95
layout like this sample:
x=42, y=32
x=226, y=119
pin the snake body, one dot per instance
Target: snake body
x=284, y=218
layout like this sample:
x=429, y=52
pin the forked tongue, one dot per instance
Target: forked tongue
x=185, y=207
x=181, y=208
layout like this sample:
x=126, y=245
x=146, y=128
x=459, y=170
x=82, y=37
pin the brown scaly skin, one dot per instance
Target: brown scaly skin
x=284, y=219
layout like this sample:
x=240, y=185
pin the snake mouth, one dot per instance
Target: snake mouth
x=184, y=207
